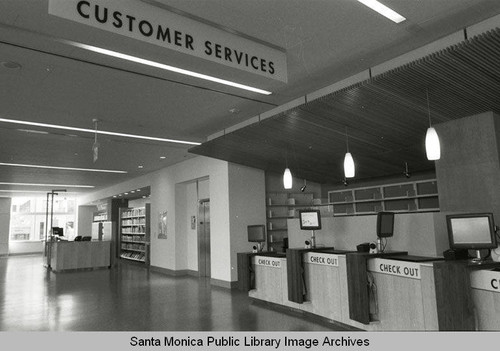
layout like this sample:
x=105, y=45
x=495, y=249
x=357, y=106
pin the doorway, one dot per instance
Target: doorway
x=204, y=238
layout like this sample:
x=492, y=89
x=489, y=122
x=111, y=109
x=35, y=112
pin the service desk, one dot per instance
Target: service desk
x=270, y=278
x=381, y=292
x=67, y=255
x=485, y=286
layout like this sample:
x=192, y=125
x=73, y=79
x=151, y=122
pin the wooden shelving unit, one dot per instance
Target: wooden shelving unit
x=280, y=207
x=418, y=196
x=135, y=234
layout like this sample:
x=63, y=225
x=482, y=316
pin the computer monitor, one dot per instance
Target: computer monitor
x=472, y=231
x=256, y=233
x=385, y=224
x=310, y=219
x=57, y=231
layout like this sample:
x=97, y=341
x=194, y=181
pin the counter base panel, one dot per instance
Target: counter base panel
x=335, y=325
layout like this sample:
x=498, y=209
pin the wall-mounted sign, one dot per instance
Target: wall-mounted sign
x=485, y=280
x=154, y=25
x=321, y=259
x=267, y=261
x=393, y=267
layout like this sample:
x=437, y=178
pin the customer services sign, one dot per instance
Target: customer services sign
x=155, y=25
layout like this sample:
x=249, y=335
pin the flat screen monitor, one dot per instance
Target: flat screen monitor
x=256, y=233
x=310, y=219
x=57, y=231
x=473, y=231
x=385, y=224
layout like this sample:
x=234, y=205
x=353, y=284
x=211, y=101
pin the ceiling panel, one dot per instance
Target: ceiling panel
x=383, y=119
x=325, y=41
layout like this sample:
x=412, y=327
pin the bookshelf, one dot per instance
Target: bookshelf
x=135, y=233
x=418, y=196
x=280, y=207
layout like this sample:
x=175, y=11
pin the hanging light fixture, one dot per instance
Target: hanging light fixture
x=432, y=145
x=349, y=169
x=287, y=179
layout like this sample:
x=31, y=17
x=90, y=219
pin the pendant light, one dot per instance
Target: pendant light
x=432, y=145
x=349, y=169
x=287, y=179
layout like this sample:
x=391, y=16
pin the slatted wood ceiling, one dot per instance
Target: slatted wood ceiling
x=386, y=118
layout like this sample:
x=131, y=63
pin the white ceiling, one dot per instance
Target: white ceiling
x=325, y=41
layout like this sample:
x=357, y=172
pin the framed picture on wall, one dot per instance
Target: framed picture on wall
x=162, y=225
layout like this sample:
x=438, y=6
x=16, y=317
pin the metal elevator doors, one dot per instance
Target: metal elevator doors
x=204, y=238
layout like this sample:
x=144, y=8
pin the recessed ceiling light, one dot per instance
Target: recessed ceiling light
x=140, y=166
x=144, y=197
x=138, y=190
x=61, y=168
x=52, y=185
x=133, y=191
x=119, y=194
x=126, y=194
x=114, y=195
x=11, y=65
x=163, y=157
x=165, y=67
x=93, y=131
x=383, y=10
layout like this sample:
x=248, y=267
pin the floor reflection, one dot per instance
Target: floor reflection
x=128, y=297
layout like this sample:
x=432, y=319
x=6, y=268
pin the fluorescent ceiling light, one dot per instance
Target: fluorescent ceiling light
x=52, y=185
x=33, y=131
x=383, y=10
x=93, y=131
x=61, y=168
x=166, y=67
x=29, y=191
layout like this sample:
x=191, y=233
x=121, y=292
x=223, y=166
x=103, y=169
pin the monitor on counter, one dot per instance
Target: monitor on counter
x=385, y=224
x=310, y=219
x=57, y=231
x=472, y=231
x=256, y=233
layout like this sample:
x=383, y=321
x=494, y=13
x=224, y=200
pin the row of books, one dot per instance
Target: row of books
x=132, y=237
x=134, y=212
x=134, y=230
x=134, y=221
x=139, y=256
x=129, y=246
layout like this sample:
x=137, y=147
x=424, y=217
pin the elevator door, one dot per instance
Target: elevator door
x=204, y=238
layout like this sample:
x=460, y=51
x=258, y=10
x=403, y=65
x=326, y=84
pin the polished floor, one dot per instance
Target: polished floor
x=125, y=298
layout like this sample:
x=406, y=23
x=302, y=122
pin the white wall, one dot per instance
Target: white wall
x=192, y=198
x=85, y=217
x=173, y=252
x=247, y=197
x=413, y=232
x=5, y=203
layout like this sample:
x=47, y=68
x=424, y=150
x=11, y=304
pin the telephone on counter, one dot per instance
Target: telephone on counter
x=364, y=247
x=368, y=247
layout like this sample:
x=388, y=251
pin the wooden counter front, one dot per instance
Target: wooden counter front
x=485, y=286
x=66, y=255
x=270, y=278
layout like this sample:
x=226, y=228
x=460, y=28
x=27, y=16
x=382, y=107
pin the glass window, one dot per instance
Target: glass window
x=28, y=217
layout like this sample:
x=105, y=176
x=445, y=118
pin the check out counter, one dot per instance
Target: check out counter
x=405, y=294
x=485, y=286
x=68, y=255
